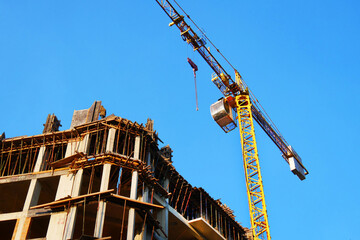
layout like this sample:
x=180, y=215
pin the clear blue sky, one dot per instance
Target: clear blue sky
x=300, y=58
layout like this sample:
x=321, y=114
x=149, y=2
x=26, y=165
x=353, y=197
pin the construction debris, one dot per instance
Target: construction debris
x=52, y=124
x=88, y=115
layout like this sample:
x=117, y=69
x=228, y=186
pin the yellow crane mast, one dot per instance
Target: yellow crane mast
x=255, y=190
x=239, y=103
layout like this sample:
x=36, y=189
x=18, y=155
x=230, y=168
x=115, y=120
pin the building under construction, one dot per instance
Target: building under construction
x=104, y=178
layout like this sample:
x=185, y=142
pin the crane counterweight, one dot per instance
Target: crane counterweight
x=296, y=165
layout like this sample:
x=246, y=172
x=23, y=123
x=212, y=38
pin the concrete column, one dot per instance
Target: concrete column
x=56, y=226
x=133, y=193
x=69, y=185
x=33, y=194
x=40, y=159
x=105, y=178
x=32, y=198
x=100, y=216
x=145, y=198
x=70, y=221
x=70, y=148
x=163, y=216
x=110, y=140
x=84, y=144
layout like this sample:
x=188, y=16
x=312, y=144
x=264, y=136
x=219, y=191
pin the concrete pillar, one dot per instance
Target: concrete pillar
x=32, y=198
x=133, y=195
x=145, y=198
x=69, y=185
x=110, y=140
x=70, y=221
x=40, y=159
x=56, y=226
x=33, y=194
x=105, y=178
x=133, y=192
x=70, y=148
x=100, y=216
x=163, y=215
x=84, y=144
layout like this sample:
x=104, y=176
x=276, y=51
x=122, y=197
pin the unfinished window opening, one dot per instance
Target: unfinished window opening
x=38, y=227
x=98, y=141
x=119, y=142
x=171, y=188
x=120, y=180
x=161, y=169
x=143, y=148
x=182, y=199
x=48, y=188
x=91, y=180
x=222, y=226
x=124, y=182
x=53, y=153
x=141, y=190
x=14, y=162
x=124, y=142
x=189, y=211
x=7, y=229
x=225, y=227
x=116, y=221
x=177, y=190
x=85, y=227
x=193, y=210
x=114, y=180
x=139, y=222
x=13, y=195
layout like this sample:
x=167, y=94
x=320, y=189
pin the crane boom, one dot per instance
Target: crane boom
x=227, y=85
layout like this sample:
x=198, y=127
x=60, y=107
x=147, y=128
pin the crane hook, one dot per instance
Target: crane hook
x=195, y=68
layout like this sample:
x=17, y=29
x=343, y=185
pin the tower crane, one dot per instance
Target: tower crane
x=239, y=103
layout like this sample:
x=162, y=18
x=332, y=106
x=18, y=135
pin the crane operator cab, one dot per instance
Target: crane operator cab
x=223, y=115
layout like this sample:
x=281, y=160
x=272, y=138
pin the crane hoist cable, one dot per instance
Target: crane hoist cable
x=195, y=68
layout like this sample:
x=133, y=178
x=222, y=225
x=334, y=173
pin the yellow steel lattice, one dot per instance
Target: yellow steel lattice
x=257, y=206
